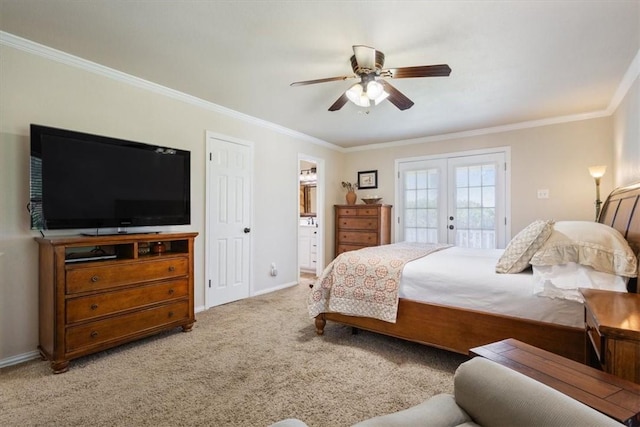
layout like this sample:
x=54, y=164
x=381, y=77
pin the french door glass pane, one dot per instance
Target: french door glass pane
x=421, y=206
x=476, y=206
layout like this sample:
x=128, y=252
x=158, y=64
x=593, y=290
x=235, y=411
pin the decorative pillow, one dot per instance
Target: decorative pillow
x=563, y=281
x=588, y=243
x=522, y=247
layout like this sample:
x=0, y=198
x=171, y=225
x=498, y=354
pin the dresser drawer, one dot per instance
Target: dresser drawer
x=358, y=223
x=93, y=306
x=345, y=211
x=114, y=275
x=347, y=248
x=358, y=237
x=594, y=336
x=367, y=212
x=102, y=331
x=360, y=211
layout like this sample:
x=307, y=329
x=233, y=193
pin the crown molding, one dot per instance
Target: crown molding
x=10, y=40
x=484, y=131
x=16, y=42
x=625, y=85
x=632, y=73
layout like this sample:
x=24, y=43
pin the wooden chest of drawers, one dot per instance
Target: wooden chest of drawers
x=360, y=226
x=95, y=304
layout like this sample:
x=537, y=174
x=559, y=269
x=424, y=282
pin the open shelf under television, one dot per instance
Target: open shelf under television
x=118, y=247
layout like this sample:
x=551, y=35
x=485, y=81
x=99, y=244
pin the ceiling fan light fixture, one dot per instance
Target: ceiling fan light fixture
x=357, y=95
x=354, y=93
x=380, y=98
x=374, y=89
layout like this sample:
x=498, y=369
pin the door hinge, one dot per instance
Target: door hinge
x=505, y=220
x=209, y=283
x=210, y=156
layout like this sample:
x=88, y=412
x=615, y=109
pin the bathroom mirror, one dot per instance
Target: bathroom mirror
x=308, y=200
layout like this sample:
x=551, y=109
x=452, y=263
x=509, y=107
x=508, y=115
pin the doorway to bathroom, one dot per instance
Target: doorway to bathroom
x=310, y=216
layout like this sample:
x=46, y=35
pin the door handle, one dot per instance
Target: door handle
x=451, y=227
x=247, y=230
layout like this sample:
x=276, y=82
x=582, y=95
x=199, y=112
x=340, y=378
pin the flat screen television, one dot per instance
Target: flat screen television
x=81, y=181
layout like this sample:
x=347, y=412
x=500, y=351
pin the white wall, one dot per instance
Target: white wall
x=554, y=157
x=627, y=137
x=39, y=90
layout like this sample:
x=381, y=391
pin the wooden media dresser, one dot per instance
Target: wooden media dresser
x=103, y=291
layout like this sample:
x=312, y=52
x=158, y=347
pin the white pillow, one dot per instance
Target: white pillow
x=563, y=281
x=522, y=247
x=588, y=243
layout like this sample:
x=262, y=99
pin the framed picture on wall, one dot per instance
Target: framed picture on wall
x=368, y=179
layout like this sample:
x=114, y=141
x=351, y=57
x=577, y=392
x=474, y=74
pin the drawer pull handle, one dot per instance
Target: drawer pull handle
x=171, y=314
x=94, y=279
x=172, y=268
x=171, y=291
x=94, y=306
x=94, y=334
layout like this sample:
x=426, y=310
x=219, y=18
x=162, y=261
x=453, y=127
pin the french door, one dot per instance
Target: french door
x=457, y=199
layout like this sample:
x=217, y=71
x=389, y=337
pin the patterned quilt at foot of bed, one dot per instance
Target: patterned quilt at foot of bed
x=366, y=282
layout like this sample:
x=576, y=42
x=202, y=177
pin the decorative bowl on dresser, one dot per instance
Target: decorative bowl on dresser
x=99, y=292
x=371, y=200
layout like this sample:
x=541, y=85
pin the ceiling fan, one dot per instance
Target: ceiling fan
x=367, y=64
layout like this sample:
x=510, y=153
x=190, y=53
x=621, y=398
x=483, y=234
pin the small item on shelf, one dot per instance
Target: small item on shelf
x=144, y=248
x=158, y=248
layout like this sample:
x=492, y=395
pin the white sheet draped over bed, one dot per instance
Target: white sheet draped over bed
x=466, y=278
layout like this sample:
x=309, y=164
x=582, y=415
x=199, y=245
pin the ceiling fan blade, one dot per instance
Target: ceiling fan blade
x=396, y=97
x=325, y=80
x=339, y=103
x=441, y=70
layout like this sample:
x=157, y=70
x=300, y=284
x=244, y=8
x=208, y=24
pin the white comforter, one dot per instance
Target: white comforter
x=466, y=278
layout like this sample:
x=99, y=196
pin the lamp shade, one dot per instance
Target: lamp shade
x=357, y=95
x=597, y=171
x=374, y=89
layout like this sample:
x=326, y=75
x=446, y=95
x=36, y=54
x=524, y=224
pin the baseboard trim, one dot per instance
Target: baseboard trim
x=20, y=358
x=275, y=288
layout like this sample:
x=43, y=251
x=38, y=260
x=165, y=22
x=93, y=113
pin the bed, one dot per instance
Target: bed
x=458, y=328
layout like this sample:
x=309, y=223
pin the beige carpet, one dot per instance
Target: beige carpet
x=248, y=363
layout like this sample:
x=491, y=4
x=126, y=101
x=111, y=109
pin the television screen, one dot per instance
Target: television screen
x=79, y=180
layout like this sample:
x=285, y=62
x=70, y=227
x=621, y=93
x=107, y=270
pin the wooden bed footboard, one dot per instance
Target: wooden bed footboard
x=459, y=330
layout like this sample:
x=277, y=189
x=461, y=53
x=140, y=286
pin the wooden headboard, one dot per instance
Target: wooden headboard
x=621, y=211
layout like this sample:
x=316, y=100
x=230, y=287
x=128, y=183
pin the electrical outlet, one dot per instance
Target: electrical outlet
x=274, y=270
x=543, y=193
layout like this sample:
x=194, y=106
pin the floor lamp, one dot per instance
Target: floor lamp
x=597, y=172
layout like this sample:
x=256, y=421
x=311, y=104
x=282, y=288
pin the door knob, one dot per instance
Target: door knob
x=451, y=218
x=451, y=227
x=247, y=230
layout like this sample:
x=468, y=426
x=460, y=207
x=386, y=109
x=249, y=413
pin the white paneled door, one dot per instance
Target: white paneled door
x=229, y=173
x=459, y=200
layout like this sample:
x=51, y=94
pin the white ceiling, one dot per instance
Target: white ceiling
x=512, y=61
